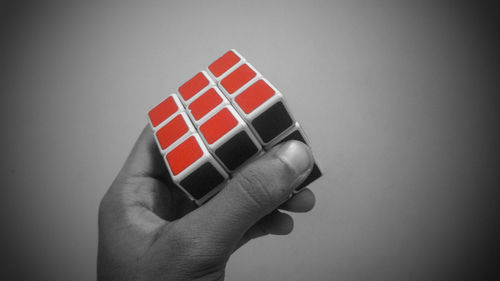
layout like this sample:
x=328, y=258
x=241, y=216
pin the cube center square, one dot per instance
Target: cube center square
x=220, y=119
x=218, y=125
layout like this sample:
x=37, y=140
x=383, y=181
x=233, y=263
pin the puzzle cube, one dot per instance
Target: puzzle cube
x=219, y=120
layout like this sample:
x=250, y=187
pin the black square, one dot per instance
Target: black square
x=295, y=135
x=236, y=150
x=272, y=122
x=202, y=180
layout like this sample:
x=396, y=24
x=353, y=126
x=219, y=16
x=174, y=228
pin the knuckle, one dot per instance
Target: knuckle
x=263, y=184
x=254, y=188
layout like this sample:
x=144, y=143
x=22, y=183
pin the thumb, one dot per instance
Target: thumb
x=255, y=191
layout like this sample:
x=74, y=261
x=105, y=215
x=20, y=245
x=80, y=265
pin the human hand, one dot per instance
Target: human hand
x=148, y=230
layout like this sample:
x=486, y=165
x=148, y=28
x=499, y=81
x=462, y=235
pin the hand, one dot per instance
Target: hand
x=148, y=230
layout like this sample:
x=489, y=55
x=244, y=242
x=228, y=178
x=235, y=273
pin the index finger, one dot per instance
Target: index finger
x=144, y=159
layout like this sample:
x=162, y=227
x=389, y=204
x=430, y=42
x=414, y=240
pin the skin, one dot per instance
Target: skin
x=149, y=230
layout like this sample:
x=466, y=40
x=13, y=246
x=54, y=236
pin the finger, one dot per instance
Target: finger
x=142, y=184
x=300, y=203
x=144, y=159
x=255, y=191
x=276, y=223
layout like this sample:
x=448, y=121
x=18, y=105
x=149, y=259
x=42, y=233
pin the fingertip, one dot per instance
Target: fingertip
x=278, y=223
x=144, y=160
x=297, y=156
x=301, y=202
x=275, y=223
x=286, y=225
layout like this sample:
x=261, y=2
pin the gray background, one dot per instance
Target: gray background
x=400, y=101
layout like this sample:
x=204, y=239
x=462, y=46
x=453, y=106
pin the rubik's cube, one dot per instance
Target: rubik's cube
x=219, y=120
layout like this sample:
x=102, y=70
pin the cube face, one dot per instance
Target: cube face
x=218, y=121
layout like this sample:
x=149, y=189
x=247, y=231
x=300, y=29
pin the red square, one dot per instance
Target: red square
x=184, y=155
x=253, y=96
x=218, y=125
x=163, y=111
x=205, y=103
x=238, y=78
x=171, y=132
x=193, y=86
x=223, y=63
